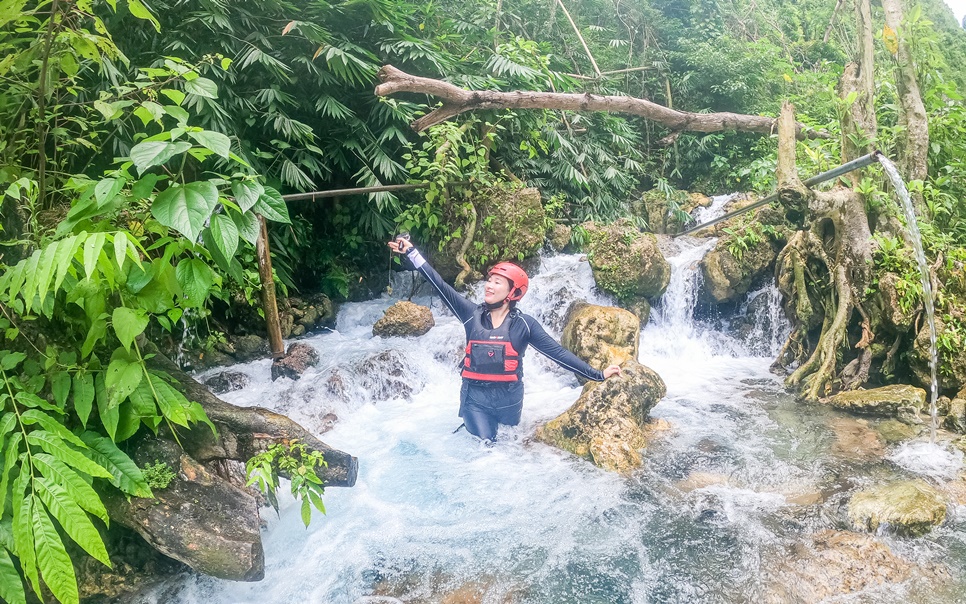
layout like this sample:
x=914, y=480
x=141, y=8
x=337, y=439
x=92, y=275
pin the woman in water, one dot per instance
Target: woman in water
x=497, y=336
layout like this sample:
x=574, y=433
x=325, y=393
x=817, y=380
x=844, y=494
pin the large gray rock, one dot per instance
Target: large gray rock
x=952, y=364
x=249, y=348
x=300, y=356
x=893, y=311
x=198, y=519
x=728, y=276
x=607, y=423
x=227, y=381
x=885, y=401
x=601, y=335
x=404, y=319
x=910, y=507
x=626, y=262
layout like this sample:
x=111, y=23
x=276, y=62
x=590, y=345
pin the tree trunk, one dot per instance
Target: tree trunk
x=915, y=146
x=457, y=101
x=859, y=127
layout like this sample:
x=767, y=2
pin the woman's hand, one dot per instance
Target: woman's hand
x=612, y=371
x=400, y=246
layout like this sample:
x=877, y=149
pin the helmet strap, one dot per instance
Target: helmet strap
x=494, y=305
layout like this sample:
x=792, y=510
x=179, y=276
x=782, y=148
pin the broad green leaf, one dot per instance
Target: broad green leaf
x=30, y=267
x=122, y=377
x=7, y=423
x=271, y=205
x=128, y=324
x=92, y=251
x=143, y=188
x=148, y=154
x=29, y=399
x=215, y=141
x=45, y=269
x=23, y=529
x=306, y=512
x=11, y=587
x=176, y=96
x=246, y=194
x=77, y=487
x=248, y=227
x=11, y=359
x=11, y=452
x=196, y=279
x=202, y=87
x=185, y=208
x=225, y=234
x=196, y=413
x=107, y=189
x=141, y=12
x=83, y=395
x=128, y=421
x=51, y=443
x=317, y=501
x=66, y=250
x=225, y=63
x=60, y=387
x=72, y=518
x=126, y=474
x=52, y=559
x=32, y=417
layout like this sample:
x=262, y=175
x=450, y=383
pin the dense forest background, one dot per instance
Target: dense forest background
x=139, y=143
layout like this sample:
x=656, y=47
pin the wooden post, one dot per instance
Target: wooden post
x=269, y=306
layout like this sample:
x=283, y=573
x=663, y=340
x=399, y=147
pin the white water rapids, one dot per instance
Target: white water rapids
x=741, y=476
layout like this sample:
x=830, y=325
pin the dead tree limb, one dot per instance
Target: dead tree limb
x=457, y=101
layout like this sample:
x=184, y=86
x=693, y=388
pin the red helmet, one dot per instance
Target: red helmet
x=516, y=275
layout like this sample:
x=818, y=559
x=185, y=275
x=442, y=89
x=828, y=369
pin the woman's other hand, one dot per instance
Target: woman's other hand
x=400, y=246
x=612, y=371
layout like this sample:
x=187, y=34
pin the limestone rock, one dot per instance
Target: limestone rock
x=250, y=347
x=198, y=519
x=606, y=424
x=404, y=319
x=886, y=401
x=559, y=238
x=888, y=298
x=955, y=419
x=911, y=507
x=832, y=563
x=855, y=440
x=227, y=381
x=894, y=431
x=952, y=365
x=300, y=356
x=727, y=276
x=625, y=262
x=601, y=335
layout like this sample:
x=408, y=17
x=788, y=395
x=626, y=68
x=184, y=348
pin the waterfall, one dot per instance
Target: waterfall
x=707, y=519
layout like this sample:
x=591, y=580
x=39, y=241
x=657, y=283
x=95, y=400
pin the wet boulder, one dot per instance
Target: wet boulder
x=227, y=381
x=559, y=237
x=910, y=507
x=731, y=269
x=664, y=210
x=832, y=564
x=955, y=419
x=884, y=401
x=607, y=423
x=601, y=335
x=889, y=296
x=300, y=356
x=248, y=348
x=404, y=319
x=198, y=518
x=626, y=262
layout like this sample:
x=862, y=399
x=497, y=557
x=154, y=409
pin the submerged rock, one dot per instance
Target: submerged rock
x=404, y=319
x=894, y=431
x=227, y=381
x=856, y=440
x=911, y=507
x=887, y=400
x=830, y=564
x=601, y=335
x=300, y=356
x=626, y=262
x=606, y=425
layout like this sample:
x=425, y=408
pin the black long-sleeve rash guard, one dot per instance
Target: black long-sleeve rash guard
x=524, y=329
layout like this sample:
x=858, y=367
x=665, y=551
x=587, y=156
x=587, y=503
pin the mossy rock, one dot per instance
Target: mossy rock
x=601, y=335
x=952, y=365
x=626, y=262
x=559, y=237
x=727, y=277
x=885, y=401
x=911, y=507
x=655, y=207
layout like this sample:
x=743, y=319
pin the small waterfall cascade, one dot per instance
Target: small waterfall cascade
x=715, y=209
x=712, y=516
x=915, y=237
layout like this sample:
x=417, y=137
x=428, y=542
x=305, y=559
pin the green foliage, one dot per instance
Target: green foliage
x=158, y=475
x=299, y=465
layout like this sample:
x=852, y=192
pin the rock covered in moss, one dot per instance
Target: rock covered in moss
x=910, y=507
x=297, y=360
x=404, y=319
x=730, y=273
x=886, y=401
x=955, y=419
x=952, y=360
x=601, y=335
x=890, y=295
x=657, y=208
x=626, y=262
x=607, y=423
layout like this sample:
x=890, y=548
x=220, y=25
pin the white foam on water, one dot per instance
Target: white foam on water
x=929, y=459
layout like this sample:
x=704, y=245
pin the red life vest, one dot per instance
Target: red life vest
x=490, y=357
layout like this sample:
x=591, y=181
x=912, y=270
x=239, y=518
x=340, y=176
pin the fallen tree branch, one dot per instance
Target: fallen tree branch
x=457, y=101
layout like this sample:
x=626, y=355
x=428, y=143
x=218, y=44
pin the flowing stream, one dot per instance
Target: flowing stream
x=741, y=475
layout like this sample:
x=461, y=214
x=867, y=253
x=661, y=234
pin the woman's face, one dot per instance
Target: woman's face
x=496, y=290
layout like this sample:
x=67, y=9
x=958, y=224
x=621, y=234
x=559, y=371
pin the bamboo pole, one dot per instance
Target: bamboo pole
x=269, y=305
x=312, y=196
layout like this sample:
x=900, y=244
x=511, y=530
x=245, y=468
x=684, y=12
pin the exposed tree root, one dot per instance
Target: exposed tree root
x=467, y=240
